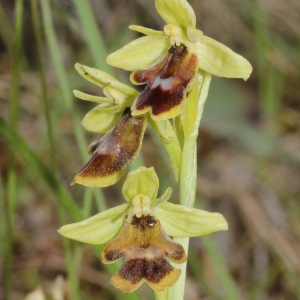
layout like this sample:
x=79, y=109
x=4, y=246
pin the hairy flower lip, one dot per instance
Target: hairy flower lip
x=167, y=83
x=145, y=247
x=115, y=150
x=143, y=240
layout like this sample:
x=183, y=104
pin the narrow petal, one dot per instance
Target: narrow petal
x=118, y=147
x=219, y=60
x=166, y=84
x=98, y=229
x=165, y=197
x=182, y=221
x=178, y=12
x=103, y=79
x=87, y=97
x=148, y=31
x=141, y=181
x=101, y=121
x=139, y=54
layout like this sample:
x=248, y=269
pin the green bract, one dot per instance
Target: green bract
x=213, y=57
x=140, y=190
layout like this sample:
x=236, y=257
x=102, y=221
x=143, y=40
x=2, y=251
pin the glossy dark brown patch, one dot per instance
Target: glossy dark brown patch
x=115, y=149
x=143, y=223
x=145, y=248
x=166, y=82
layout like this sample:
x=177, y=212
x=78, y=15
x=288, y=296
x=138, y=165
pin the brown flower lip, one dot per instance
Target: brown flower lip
x=112, y=153
x=145, y=247
x=167, y=83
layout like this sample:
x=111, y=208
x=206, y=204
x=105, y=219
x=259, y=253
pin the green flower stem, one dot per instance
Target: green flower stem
x=173, y=148
x=191, y=118
x=162, y=295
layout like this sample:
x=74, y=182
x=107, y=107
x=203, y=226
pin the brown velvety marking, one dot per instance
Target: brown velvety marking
x=117, y=147
x=166, y=81
x=145, y=248
x=135, y=270
x=113, y=255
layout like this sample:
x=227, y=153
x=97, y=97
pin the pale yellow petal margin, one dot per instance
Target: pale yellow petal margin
x=182, y=221
x=219, y=60
x=178, y=12
x=139, y=54
x=98, y=229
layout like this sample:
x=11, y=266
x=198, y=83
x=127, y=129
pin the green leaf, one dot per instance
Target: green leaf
x=98, y=229
x=183, y=221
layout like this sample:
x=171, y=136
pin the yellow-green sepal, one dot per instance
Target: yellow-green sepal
x=183, y=221
x=219, y=60
x=178, y=12
x=139, y=54
x=141, y=181
x=99, y=120
x=98, y=229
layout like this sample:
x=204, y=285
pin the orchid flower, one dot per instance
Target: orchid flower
x=139, y=231
x=167, y=61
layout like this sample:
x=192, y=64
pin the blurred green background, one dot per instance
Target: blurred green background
x=248, y=162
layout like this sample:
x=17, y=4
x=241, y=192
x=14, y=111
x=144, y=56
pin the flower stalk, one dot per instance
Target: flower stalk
x=188, y=172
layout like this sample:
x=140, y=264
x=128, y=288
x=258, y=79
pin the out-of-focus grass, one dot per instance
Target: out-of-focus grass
x=13, y=119
x=52, y=144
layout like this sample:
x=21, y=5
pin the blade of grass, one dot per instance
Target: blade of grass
x=20, y=147
x=54, y=168
x=92, y=34
x=195, y=265
x=3, y=225
x=270, y=82
x=41, y=65
x=224, y=275
x=16, y=63
x=6, y=30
